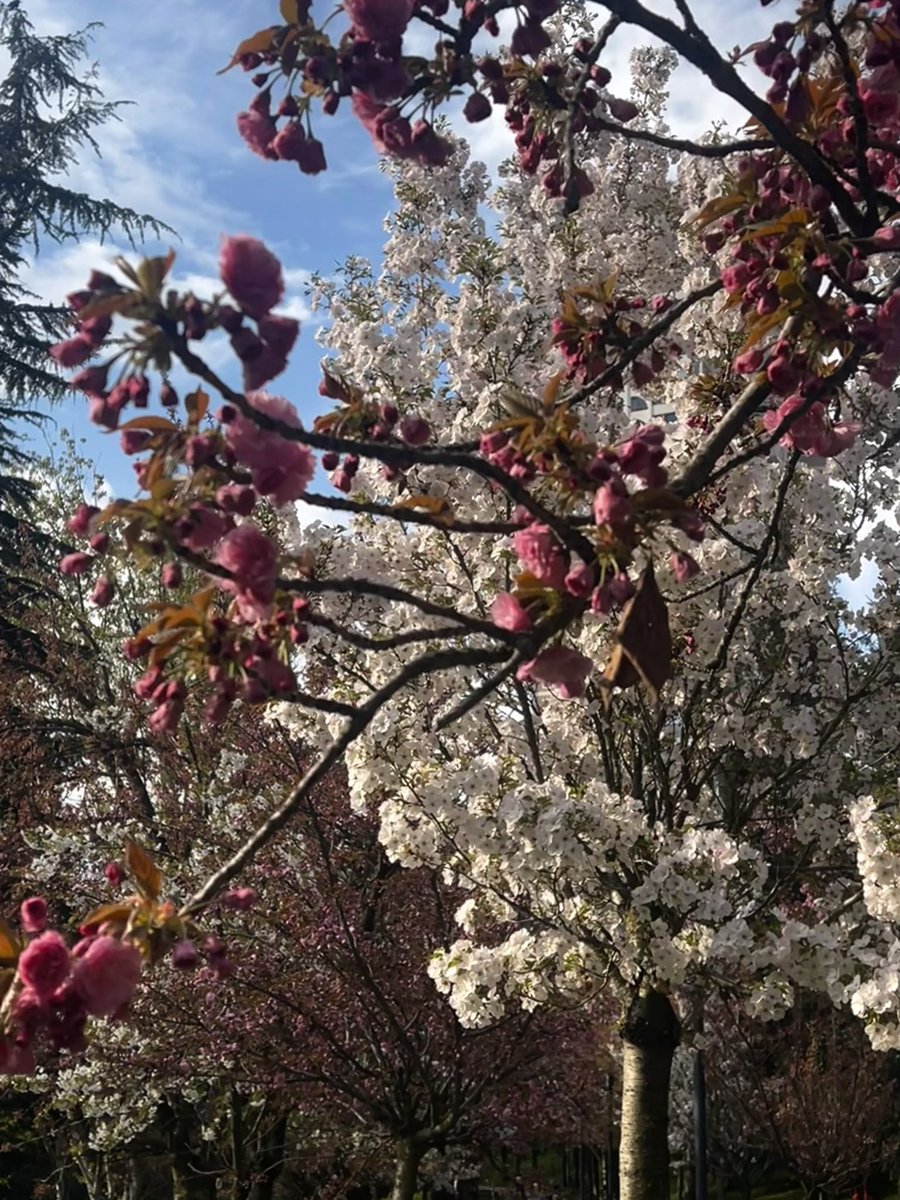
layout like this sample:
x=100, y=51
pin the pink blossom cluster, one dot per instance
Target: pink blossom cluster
x=253, y=276
x=367, y=66
x=366, y=420
x=291, y=143
x=56, y=989
x=255, y=280
x=248, y=657
x=603, y=586
x=279, y=469
x=539, y=141
x=811, y=432
x=860, y=141
x=593, y=331
x=91, y=332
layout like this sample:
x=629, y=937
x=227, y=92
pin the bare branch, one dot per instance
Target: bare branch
x=427, y=664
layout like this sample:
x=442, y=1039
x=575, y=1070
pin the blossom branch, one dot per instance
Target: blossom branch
x=696, y=47
x=409, y=516
x=638, y=345
x=590, y=59
x=427, y=664
x=685, y=145
x=391, y=454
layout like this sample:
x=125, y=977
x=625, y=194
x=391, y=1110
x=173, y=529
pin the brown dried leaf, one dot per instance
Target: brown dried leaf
x=143, y=870
x=719, y=207
x=151, y=424
x=436, y=505
x=643, y=653
x=196, y=404
x=116, y=911
x=10, y=946
x=257, y=43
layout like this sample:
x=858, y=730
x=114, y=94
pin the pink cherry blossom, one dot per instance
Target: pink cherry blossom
x=251, y=557
x=508, y=613
x=564, y=670
x=75, y=564
x=44, y=964
x=34, y=914
x=379, y=21
x=541, y=554
x=251, y=273
x=279, y=468
x=103, y=591
x=106, y=975
x=73, y=352
x=811, y=433
x=258, y=131
x=612, y=504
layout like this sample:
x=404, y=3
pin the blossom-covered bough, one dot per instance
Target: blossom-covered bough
x=599, y=673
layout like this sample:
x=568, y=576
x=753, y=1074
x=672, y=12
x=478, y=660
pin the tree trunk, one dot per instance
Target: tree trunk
x=191, y=1178
x=650, y=1036
x=269, y=1161
x=406, y=1171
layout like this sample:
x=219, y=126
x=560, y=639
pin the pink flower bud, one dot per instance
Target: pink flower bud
x=104, y=590
x=115, y=874
x=683, y=566
x=171, y=575
x=80, y=521
x=34, y=914
x=71, y=353
x=477, y=107
x=92, y=380
x=414, y=430
x=184, y=955
x=622, y=110
x=749, y=362
x=75, y=564
x=887, y=238
x=580, y=581
x=240, y=899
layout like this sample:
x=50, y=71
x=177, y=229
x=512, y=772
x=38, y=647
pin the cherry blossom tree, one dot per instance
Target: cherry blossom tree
x=807, y=1092
x=322, y=1015
x=602, y=677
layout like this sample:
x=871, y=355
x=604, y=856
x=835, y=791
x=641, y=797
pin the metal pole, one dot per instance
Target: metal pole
x=700, y=1146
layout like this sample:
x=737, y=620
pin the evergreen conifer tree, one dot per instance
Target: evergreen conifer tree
x=50, y=108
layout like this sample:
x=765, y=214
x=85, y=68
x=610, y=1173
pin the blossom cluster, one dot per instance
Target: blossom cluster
x=55, y=989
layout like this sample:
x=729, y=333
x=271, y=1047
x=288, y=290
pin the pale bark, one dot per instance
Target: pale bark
x=406, y=1171
x=650, y=1036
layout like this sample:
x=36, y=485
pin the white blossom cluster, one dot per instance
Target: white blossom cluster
x=721, y=836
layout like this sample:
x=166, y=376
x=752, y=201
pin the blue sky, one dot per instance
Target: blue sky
x=176, y=154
